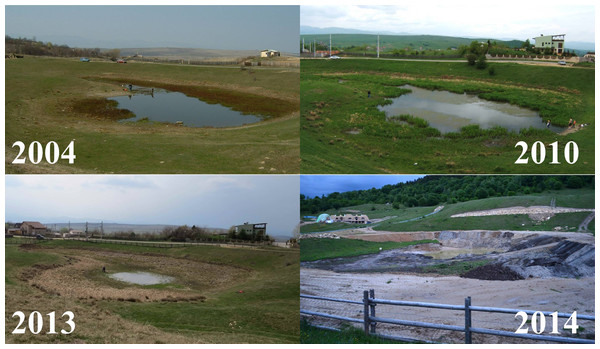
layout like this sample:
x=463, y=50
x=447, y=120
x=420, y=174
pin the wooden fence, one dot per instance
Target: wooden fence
x=370, y=319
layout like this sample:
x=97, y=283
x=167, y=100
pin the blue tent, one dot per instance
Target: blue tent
x=323, y=218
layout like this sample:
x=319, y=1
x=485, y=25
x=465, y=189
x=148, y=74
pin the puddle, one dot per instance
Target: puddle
x=175, y=107
x=449, y=112
x=142, y=278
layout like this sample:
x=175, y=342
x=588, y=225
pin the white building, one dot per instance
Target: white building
x=554, y=42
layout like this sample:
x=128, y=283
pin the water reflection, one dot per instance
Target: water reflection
x=175, y=107
x=448, y=112
x=142, y=278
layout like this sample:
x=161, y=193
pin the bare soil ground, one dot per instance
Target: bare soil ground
x=534, y=212
x=553, y=294
x=539, y=271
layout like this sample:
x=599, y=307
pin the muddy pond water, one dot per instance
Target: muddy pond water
x=142, y=278
x=449, y=112
x=175, y=107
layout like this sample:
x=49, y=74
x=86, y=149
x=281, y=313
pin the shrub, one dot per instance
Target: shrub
x=471, y=59
x=492, y=71
x=481, y=62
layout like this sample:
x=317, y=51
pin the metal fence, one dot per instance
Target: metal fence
x=370, y=319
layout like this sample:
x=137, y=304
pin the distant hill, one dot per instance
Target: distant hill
x=426, y=42
x=186, y=53
x=305, y=30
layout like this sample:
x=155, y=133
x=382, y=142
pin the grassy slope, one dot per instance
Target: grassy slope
x=267, y=310
x=348, y=335
x=40, y=94
x=391, y=42
x=315, y=249
x=330, y=110
x=443, y=221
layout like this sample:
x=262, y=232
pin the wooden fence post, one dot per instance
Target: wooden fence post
x=366, y=311
x=372, y=308
x=468, y=320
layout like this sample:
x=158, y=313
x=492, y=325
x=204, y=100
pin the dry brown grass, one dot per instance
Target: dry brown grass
x=92, y=323
x=81, y=277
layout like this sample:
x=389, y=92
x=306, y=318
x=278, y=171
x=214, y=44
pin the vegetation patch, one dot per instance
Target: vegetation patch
x=42, y=91
x=101, y=108
x=315, y=249
x=258, y=303
x=454, y=268
x=244, y=102
x=407, y=145
x=347, y=335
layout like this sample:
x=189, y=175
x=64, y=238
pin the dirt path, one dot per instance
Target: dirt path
x=583, y=227
x=552, y=294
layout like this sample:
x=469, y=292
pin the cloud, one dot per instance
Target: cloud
x=499, y=20
x=203, y=200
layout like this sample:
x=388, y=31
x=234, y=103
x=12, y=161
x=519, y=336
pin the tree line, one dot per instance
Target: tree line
x=434, y=190
x=185, y=233
x=25, y=46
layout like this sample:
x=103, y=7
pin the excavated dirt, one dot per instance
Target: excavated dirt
x=536, y=213
x=545, y=271
x=492, y=272
x=550, y=294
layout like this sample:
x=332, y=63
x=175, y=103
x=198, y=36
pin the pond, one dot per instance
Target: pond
x=449, y=112
x=142, y=278
x=175, y=107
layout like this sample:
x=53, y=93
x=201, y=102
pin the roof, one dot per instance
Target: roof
x=34, y=225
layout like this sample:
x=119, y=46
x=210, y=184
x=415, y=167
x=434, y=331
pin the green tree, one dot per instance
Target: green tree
x=471, y=59
x=574, y=182
x=481, y=62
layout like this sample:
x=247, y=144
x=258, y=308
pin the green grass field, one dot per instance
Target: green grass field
x=342, y=131
x=315, y=249
x=348, y=335
x=260, y=307
x=51, y=99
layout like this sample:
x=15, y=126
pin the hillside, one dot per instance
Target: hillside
x=391, y=42
x=560, y=210
x=434, y=190
x=186, y=53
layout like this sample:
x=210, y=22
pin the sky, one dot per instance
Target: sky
x=507, y=19
x=208, y=27
x=218, y=201
x=317, y=185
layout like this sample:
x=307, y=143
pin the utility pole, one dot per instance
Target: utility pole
x=329, y=45
x=377, y=45
x=101, y=229
x=315, y=50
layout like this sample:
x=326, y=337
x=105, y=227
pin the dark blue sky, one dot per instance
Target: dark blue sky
x=317, y=185
x=208, y=27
